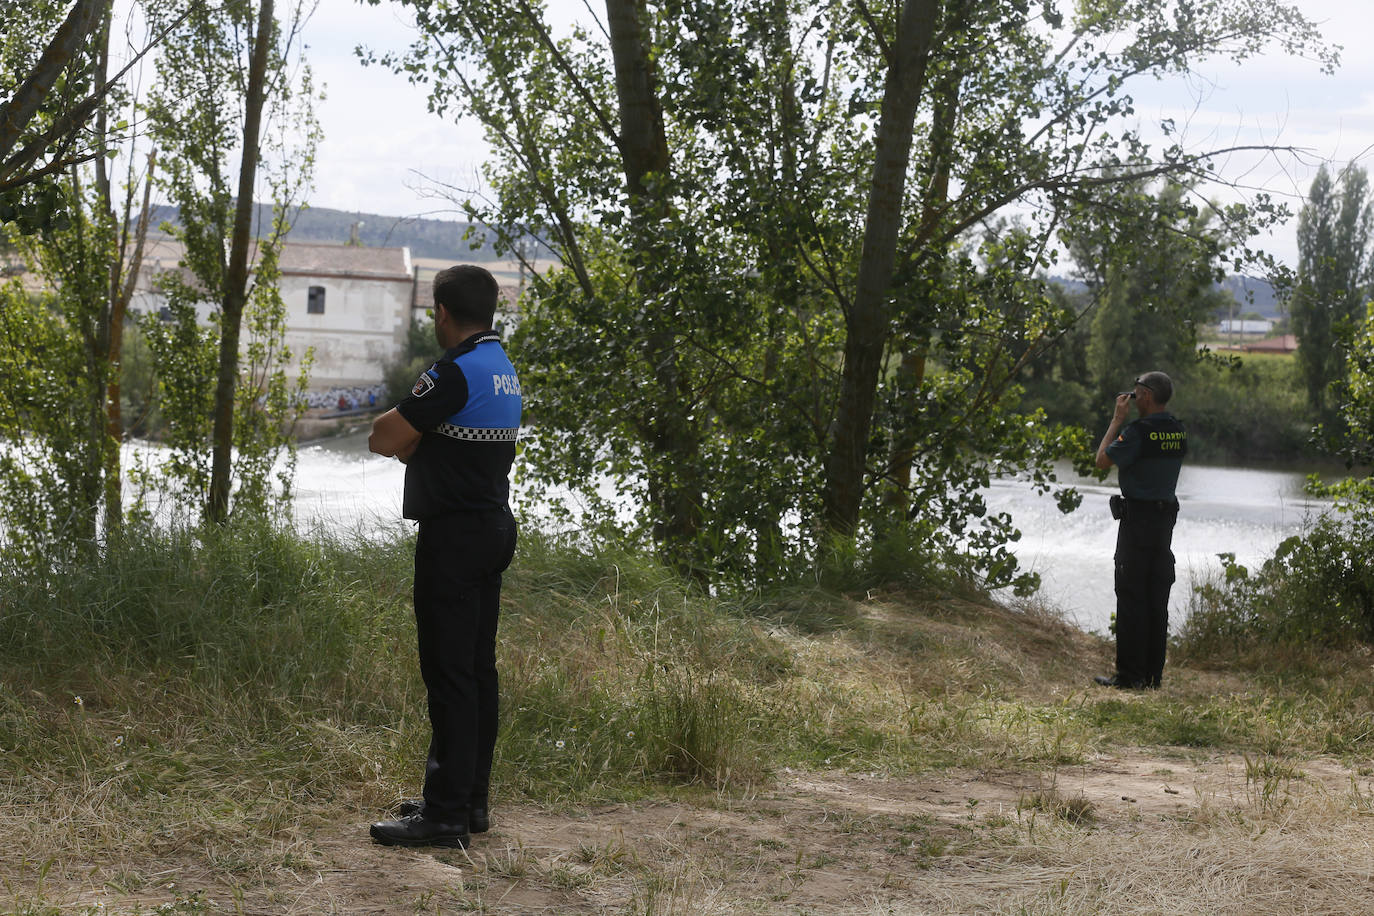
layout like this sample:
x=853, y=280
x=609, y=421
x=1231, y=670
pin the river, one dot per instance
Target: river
x=1225, y=509
x=1243, y=511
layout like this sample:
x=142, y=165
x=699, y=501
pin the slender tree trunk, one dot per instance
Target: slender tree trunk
x=236, y=278
x=867, y=323
x=120, y=298
x=910, y=376
x=674, y=465
x=87, y=304
x=912, y=371
x=766, y=520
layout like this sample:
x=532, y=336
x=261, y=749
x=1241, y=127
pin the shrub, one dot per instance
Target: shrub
x=418, y=354
x=1317, y=589
x=1254, y=411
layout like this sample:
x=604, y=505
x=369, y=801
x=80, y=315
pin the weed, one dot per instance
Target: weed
x=509, y=862
x=1267, y=782
x=1076, y=810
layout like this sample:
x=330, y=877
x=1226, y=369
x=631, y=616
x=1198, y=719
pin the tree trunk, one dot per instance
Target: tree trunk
x=911, y=373
x=235, y=291
x=121, y=296
x=674, y=465
x=867, y=323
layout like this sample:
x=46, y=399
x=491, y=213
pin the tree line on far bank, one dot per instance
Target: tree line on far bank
x=1250, y=408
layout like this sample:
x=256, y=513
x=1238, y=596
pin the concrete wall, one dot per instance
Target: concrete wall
x=362, y=329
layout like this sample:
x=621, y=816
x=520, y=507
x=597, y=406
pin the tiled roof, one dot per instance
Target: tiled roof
x=310, y=258
x=321, y=258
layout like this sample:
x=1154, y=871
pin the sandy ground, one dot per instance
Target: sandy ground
x=1136, y=833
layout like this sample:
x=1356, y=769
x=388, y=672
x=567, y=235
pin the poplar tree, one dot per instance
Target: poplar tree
x=1333, y=281
x=229, y=93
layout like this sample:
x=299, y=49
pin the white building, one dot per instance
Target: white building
x=351, y=305
x=1256, y=326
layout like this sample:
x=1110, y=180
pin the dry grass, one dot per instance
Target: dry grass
x=959, y=842
x=885, y=754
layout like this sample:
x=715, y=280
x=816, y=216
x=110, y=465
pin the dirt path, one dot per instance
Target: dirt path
x=1136, y=833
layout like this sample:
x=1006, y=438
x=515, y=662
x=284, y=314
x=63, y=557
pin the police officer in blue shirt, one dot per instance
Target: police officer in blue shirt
x=1148, y=453
x=456, y=432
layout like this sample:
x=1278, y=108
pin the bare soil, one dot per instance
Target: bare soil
x=1139, y=832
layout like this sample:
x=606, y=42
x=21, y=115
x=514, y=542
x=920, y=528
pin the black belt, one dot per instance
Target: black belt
x=1163, y=505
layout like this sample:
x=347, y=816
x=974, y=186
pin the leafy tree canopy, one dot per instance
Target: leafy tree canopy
x=803, y=243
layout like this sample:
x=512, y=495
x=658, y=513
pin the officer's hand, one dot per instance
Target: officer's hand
x=1123, y=407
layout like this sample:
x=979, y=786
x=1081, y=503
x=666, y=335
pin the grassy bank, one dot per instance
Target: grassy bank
x=207, y=724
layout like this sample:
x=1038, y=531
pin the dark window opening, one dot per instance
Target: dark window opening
x=315, y=304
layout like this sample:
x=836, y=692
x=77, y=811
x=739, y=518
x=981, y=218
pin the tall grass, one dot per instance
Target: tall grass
x=254, y=611
x=225, y=696
x=236, y=664
x=211, y=660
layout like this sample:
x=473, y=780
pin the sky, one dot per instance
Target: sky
x=379, y=139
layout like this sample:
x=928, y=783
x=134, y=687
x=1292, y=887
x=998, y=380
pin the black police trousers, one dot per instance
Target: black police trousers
x=459, y=559
x=1144, y=574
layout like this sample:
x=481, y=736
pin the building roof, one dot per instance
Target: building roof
x=1286, y=343
x=307, y=259
x=319, y=258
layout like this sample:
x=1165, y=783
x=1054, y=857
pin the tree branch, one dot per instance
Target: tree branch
x=578, y=85
x=19, y=110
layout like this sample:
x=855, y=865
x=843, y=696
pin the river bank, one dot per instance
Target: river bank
x=208, y=725
x=1245, y=511
x=1223, y=509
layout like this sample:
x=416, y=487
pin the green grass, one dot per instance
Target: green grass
x=239, y=687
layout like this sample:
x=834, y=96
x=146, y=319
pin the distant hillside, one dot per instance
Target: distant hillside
x=1251, y=293
x=427, y=238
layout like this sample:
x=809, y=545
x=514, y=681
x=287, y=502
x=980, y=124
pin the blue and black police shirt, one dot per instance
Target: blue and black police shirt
x=467, y=409
x=1149, y=454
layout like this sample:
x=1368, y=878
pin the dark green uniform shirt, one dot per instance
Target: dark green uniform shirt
x=1148, y=455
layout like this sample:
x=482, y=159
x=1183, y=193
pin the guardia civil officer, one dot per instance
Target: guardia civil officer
x=1148, y=454
x=456, y=432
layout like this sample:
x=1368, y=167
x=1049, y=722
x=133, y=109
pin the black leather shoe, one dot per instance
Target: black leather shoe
x=408, y=806
x=417, y=830
x=478, y=819
x=1119, y=684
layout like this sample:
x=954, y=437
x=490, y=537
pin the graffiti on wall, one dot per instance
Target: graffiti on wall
x=344, y=400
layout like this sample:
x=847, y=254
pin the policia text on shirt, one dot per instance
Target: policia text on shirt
x=1148, y=454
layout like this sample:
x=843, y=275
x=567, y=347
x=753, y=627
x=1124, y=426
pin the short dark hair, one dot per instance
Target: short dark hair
x=468, y=293
x=1159, y=384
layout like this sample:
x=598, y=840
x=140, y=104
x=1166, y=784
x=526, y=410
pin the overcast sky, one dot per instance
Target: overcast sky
x=378, y=137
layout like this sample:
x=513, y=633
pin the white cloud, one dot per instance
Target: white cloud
x=378, y=133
